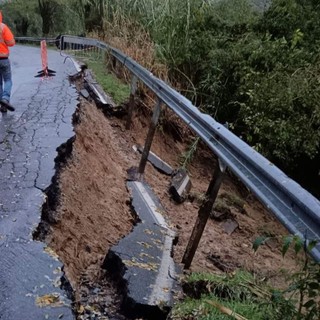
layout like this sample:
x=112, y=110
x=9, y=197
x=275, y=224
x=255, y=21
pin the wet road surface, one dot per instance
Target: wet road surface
x=29, y=275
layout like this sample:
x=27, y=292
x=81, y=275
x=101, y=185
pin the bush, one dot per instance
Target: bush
x=304, y=288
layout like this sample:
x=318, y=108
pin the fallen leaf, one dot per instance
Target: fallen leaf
x=51, y=253
x=146, y=245
x=81, y=309
x=149, y=232
x=52, y=300
x=147, y=266
x=145, y=255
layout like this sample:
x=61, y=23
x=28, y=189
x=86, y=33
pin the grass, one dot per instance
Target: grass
x=187, y=157
x=117, y=89
x=110, y=83
x=203, y=310
x=235, y=282
x=231, y=296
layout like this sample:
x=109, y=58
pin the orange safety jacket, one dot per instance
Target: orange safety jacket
x=6, y=39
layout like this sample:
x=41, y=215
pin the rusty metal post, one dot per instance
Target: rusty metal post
x=203, y=214
x=151, y=132
x=114, y=63
x=134, y=84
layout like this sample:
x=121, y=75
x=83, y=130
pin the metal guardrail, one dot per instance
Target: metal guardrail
x=296, y=208
x=35, y=39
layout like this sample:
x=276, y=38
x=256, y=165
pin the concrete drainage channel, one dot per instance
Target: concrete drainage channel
x=140, y=266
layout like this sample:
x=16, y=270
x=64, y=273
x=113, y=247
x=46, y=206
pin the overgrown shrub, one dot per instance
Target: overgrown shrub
x=304, y=288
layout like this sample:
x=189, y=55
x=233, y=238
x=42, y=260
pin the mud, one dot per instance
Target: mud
x=93, y=211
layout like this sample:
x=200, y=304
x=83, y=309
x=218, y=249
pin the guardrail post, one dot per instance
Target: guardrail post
x=134, y=84
x=151, y=132
x=114, y=63
x=203, y=214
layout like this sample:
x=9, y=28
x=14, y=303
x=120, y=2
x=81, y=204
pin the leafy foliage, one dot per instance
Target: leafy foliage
x=22, y=17
x=258, y=70
x=43, y=17
x=305, y=283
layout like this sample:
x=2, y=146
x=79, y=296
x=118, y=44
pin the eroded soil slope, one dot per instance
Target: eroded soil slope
x=94, y=211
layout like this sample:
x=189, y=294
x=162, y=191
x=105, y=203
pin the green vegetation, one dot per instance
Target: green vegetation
x=259, y=71
x=109, y=82
x=234, y=296
x=242, y=296
x=304, y=287
x=202, y=310
x=95, y=60
x=256, y=70
x=188, y=155
x=43, y=17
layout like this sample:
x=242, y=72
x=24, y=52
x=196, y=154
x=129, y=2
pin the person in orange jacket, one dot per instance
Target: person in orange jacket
x=6, y=40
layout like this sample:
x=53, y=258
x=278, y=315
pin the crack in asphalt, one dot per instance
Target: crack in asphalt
x=29, y=138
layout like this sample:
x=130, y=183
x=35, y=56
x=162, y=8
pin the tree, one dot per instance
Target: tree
x=48, y=10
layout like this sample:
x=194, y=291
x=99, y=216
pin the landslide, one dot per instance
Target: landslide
x=93, y=211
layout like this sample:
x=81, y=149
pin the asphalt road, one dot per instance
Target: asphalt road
x=29, y=276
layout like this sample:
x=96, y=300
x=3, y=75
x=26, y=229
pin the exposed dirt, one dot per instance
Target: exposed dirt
x=94, y=210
